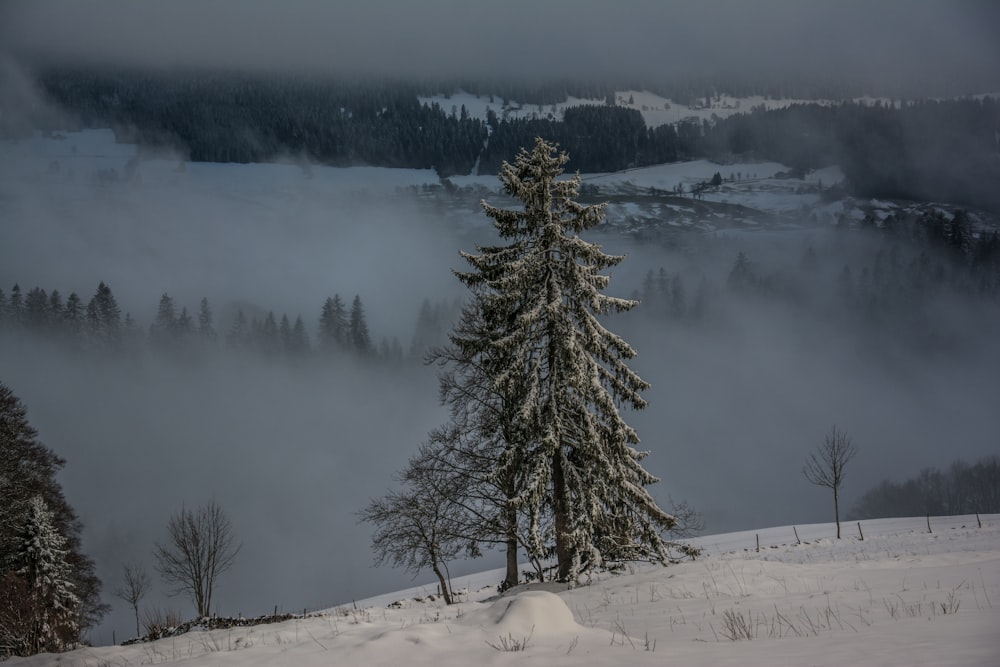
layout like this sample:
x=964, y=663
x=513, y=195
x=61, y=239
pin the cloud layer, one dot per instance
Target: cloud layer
x=891, y=43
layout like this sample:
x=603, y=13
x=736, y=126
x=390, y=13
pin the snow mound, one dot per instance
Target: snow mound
x=537, y=613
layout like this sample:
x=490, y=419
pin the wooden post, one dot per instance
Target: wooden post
x=929, y=524
x=861, y=533
x=796, y=535
x=978, y=520
x=758, y=542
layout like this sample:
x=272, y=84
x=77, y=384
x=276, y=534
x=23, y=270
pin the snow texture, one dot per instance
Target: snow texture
x=902, y=596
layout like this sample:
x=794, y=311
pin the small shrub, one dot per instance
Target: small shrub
x=510, y=644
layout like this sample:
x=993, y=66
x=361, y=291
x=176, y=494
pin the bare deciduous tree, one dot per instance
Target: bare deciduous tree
x=135, y=584
x=417, y=528
x=199, y=548
x=825, y=466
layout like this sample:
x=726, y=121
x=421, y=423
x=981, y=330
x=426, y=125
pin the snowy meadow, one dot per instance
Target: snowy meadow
x=901, y=596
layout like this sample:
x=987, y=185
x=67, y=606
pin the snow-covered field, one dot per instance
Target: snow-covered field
x=901, y=596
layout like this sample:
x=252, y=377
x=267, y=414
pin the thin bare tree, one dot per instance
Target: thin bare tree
x=419, y=527
x=825, y=466
x=134, y=585
x=200, y=547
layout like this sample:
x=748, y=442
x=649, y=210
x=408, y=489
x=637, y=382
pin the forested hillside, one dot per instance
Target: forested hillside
x=943, y=150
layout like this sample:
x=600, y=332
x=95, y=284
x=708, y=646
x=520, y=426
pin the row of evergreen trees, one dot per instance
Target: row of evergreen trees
x=962, y=489
x=100, y=326
x=243, y=118
x=931, y=150
x=885, y=273
x=49, y=592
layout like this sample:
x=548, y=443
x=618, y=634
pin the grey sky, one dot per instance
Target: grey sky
x=890, y=41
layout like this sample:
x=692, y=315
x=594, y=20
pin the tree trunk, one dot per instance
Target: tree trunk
x=511, y=578
x=564, y=553
x=445, y=592
x=836, y=509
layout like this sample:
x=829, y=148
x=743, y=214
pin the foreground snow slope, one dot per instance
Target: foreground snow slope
x=902, y=596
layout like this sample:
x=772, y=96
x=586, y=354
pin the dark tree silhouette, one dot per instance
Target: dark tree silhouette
x=200, y=546
x=825, y=466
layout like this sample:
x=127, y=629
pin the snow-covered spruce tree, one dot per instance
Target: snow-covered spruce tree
x=41, y=562
x=27, y=470
x=561, y=373
x=483, y=428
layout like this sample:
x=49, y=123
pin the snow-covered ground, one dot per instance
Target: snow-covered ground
x=901, y=596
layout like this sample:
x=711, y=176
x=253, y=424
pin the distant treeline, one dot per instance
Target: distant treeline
x=882, y=279
x=99, y=326
x=962, y=489
x=931, y=150
x=239, y=118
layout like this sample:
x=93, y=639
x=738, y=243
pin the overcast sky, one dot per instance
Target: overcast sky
x=890, y=41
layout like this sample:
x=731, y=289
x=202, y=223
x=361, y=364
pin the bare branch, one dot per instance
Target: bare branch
x=825, y=466
x=134, y=586
x=200, y=547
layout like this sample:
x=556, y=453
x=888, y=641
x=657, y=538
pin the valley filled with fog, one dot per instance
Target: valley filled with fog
x=749, y=368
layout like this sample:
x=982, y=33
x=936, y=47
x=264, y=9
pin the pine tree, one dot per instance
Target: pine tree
x=28, y=470
x=484, y=429
x=285, y=334
x=42, y=563
x=55, y=307
x=358, y=328
x=36, y=309
x=206, y=332
x=266, y=333
x=184, y=331
x=741, y=276
x=239, y=336
x=15, y=307
x=163, y=330
x=333, y=325
x=563, y=372
x=104, y=319
x=73, y=314
x=300, y=345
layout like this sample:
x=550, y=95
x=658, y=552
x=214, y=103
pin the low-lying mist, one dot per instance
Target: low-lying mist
x=747, y=376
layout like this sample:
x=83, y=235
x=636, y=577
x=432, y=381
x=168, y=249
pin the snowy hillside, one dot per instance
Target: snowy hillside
x=655, y=109
x=902, y=596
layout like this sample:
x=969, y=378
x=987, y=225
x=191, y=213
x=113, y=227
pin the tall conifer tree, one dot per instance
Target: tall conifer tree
x=42, y=563
x=561, y=373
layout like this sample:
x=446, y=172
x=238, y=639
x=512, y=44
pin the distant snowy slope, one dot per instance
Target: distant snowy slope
x=655, y=109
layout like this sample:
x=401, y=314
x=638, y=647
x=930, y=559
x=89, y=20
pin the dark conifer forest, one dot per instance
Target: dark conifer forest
x=941, y=150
